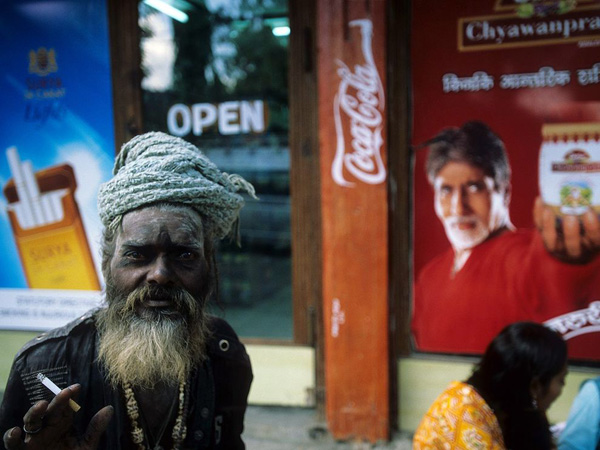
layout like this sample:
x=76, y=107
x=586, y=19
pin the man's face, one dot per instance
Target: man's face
x=159, y=249
x=155, y=326
x=468, y=204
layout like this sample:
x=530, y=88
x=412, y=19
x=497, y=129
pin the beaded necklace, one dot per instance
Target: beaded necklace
x=137, y=433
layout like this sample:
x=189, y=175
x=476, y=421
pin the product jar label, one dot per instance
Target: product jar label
x=569, y=167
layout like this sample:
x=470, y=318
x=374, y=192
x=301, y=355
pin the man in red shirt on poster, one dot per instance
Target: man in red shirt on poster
x=493, y=274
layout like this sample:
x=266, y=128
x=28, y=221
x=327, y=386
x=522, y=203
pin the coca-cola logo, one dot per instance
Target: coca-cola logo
x=358, y=114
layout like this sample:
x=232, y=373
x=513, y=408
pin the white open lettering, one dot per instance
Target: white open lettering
x=235, y=117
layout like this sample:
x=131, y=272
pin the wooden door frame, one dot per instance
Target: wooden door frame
x=399, y=193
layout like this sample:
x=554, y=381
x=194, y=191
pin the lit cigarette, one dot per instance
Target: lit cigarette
x=55, y=390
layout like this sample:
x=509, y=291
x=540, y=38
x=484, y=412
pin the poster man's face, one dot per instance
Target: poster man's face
x=468, y=204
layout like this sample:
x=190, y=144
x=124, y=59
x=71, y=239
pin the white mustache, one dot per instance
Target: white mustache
x=453, y=221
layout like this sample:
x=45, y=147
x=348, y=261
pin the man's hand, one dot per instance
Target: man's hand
x=48, y=426
x=576, y=241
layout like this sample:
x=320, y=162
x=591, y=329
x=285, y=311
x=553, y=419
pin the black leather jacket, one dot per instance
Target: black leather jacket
x=219, y=388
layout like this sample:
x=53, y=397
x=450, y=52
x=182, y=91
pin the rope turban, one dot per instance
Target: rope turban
x=158, y=168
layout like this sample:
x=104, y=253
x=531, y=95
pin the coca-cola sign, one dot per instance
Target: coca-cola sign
x=358, y=115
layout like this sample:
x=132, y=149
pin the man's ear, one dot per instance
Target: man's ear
x=507, y=194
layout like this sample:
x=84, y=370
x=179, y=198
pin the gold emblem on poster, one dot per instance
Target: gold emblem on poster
x=42, y=62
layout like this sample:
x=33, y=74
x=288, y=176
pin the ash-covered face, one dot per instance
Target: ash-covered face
x=155, y=327
x=162, y=250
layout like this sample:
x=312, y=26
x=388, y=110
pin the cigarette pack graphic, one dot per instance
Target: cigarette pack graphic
x=47, y=226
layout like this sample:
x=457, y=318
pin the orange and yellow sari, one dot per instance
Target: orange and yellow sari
x=459, y=419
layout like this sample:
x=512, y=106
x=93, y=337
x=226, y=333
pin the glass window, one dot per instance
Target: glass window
x=215, y=74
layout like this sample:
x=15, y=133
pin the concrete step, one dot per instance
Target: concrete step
x=282, y=428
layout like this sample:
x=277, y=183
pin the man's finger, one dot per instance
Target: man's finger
x=33, y=418
x=74, y=390
x=572, y=236
x=59, y=406
x=591, y=228
x=58, y=418
x=12, y=439
x=538, y=213
x=97, y=426
x=548, y=229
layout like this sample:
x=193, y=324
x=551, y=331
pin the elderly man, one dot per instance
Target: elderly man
x=151, y=370
x=493, y=274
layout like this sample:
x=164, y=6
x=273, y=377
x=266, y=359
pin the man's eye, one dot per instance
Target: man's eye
x=134, y=255
x=187, y=256
x=445, y=190
x=475, y=187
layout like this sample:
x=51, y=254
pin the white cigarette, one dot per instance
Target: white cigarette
x=48, y=208
x=16, y=170
x=34, y=193
x=55, y=390
x=17, y=207
x=54, y=200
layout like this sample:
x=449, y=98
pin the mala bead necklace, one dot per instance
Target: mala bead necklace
x=137, y=433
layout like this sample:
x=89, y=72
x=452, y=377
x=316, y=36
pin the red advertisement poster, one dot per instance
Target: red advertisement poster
x=506, y=138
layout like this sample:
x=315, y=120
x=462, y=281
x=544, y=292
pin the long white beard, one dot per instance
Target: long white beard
x=144, y=351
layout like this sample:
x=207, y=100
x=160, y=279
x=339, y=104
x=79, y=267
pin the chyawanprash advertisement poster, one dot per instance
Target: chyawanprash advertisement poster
x=56, y=148
x=506, y=139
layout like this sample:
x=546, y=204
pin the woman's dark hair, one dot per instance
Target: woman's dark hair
x=521, y=353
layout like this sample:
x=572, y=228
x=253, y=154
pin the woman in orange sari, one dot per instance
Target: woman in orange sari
x=503, y=403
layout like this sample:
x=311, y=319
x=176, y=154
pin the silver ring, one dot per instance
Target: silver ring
x=31, y=431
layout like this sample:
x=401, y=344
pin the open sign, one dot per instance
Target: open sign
x=237, y=117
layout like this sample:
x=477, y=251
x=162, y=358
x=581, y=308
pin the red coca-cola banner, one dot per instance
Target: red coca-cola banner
x=506, y=132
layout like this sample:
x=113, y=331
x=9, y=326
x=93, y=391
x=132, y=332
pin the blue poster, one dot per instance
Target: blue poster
x=56, y=148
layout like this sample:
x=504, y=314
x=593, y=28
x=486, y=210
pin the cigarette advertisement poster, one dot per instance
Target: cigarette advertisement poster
x=56, y=148
x=506, y=139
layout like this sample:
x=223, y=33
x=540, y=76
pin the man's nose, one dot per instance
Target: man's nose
x=160, y=272
x=460, y=203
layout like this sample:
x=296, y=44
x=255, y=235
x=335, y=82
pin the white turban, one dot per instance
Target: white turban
x=158, y=168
